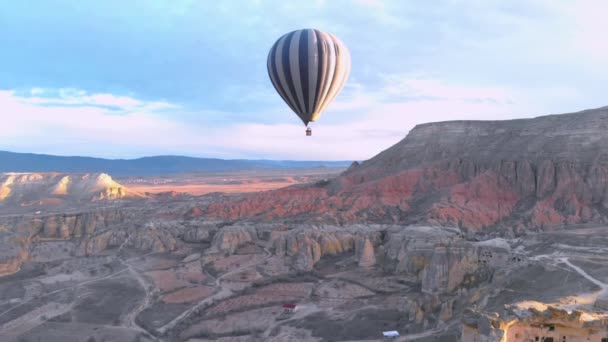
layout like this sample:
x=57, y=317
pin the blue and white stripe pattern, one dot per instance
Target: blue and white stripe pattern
x=308, y=68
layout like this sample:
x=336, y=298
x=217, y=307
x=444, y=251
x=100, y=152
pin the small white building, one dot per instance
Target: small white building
x=390, y=334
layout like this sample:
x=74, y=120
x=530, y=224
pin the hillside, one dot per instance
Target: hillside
x=511, y=175
x=156, y=165
x=42, y=189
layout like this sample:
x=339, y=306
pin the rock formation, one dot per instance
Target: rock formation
x=302, y=246
x=512, y=175
x=438, y=258
x=365, y=253
x=43, y=189
x=88, y=233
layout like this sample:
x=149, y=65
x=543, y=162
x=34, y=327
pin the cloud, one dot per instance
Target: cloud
x=29, y=124
x=398, y=86
x=355, y=137
x=80, y=98
x=361, y=123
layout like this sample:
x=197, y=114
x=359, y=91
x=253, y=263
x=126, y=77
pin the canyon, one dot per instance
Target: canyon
x=463, y=231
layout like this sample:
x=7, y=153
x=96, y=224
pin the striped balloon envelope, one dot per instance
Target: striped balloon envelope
x=308, y=68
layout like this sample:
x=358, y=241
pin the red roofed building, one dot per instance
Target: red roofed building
x=289, y=308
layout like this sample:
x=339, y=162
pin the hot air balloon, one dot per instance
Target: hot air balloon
x=308, y=68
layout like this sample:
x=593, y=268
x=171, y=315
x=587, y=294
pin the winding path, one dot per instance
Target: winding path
x=130, y=318
x=580, y=271
x=222, y=294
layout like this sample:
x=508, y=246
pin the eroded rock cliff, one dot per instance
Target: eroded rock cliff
x=510, y=175
x=84, y=233
x=32, y=190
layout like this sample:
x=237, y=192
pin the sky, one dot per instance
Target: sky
x=125, y=79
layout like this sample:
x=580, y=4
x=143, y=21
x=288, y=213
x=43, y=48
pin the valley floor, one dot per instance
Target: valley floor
x=197, y=293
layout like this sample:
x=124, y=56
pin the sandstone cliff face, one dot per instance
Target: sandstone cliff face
x=19, y=234
x=306, y=248
x=512, y=175
x=229, y=239
x=151, y=236
x=90, y=232
x=448, y=267
x=441, y=259
x=69, y=226
x=300, y=246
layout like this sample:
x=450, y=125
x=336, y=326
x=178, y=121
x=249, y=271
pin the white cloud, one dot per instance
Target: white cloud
x=79, y=97
x=84, y=129
x=402, y=86
x=357, y=126
x=363, y=121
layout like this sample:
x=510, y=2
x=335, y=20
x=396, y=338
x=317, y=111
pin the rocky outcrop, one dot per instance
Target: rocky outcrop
x=230, y=238
x=199, y=233
x=307, y=247
x=508, y=175
x=411, y=250
x=152, y=236
x=43, y=189
x=94, y=244
x=92, y=232
x=68, y=226
x=272, y=204
x=109, y=193
x=441, y=259
x=302, y=246
x=365, y=253
x=601, y=302
x=448, y=267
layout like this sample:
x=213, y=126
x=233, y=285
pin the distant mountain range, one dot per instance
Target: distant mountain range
x=155, y=165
